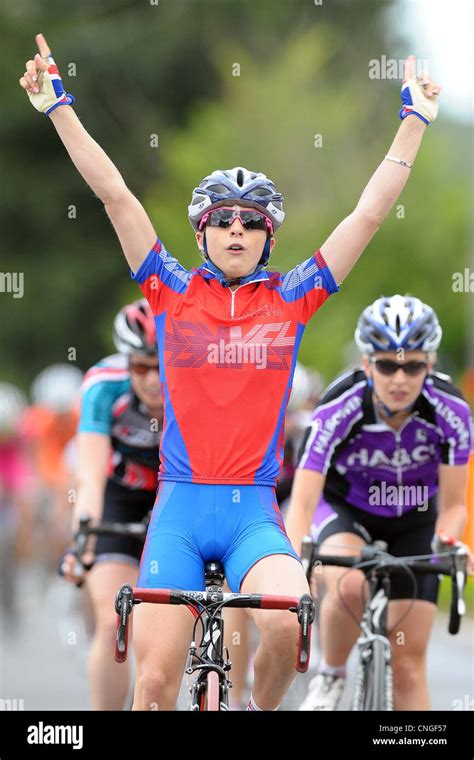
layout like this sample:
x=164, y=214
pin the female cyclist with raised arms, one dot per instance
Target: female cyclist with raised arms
x=228, y=337
x=385, y=459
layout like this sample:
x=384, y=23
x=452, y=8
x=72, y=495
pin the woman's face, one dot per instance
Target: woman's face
x=399, y=390
x=234, y=263
x=146, y=384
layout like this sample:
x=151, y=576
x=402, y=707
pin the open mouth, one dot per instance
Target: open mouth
x=398, y=395
x=235, y=248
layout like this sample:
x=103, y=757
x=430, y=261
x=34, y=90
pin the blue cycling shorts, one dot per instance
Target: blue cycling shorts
x=192, y=523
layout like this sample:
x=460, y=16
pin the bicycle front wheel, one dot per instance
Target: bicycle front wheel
x=374, y=689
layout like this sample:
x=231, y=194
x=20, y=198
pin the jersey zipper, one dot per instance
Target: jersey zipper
x=233, y=292
x=399, y=466
x=232, y=304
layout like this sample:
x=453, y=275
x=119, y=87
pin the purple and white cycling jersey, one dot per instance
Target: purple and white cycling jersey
x=375, y=468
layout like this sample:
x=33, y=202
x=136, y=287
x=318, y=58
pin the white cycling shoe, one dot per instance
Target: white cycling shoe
x=324, y=692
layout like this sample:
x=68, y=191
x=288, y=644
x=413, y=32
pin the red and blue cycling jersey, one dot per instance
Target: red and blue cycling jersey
x=227, y=360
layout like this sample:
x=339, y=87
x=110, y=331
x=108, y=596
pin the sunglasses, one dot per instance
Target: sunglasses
x=250, y=219
x=388, y=367
x=142, y=369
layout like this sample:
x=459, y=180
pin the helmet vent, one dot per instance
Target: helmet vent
x=218, y=189
x=240, y=178
x=397, y=325
x=380, y=338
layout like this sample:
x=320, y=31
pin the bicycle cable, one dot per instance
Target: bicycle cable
x=218, y=609
x=360, y=565
x=402, y=563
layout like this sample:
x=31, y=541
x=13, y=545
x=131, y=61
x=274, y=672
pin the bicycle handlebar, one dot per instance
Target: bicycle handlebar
x=303, y=607
x=129, y=530
x=373, y=560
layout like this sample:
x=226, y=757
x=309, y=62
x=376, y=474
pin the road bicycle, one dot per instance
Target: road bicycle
x=374, y=682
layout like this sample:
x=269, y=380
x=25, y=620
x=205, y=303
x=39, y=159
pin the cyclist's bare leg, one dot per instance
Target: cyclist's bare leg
x=341, y=589
x=409, y=641
x=237, y=624
x=161, y=638
x=109, y=681
x=274, y=665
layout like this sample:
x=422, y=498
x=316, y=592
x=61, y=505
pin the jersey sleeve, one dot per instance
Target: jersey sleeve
x=330, y=425
x=308, y=286
x=96, y=407
x=457, y=433
x=161, y=278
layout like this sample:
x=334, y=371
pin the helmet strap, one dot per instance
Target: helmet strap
x=266, y=251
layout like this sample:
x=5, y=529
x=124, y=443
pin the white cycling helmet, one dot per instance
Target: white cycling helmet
x=307, y=387
x=13, y=403
x=57, y=387
x=398, y=322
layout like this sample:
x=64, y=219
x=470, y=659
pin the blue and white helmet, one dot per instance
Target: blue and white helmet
x=398, y=322
x=240, y=185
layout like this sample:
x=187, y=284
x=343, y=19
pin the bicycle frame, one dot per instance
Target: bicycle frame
x=210, y=658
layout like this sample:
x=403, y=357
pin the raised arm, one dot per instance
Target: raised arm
x=344, y=246
x=43, y=84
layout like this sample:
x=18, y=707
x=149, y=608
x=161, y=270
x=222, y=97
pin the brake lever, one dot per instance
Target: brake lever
x=123, y=608
x=305, y=614
x=79, y=548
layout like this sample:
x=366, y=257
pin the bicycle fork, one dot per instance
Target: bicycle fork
x=212, y=659
x=373, y=626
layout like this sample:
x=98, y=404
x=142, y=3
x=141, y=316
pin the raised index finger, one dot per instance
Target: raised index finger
x=43, y=46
